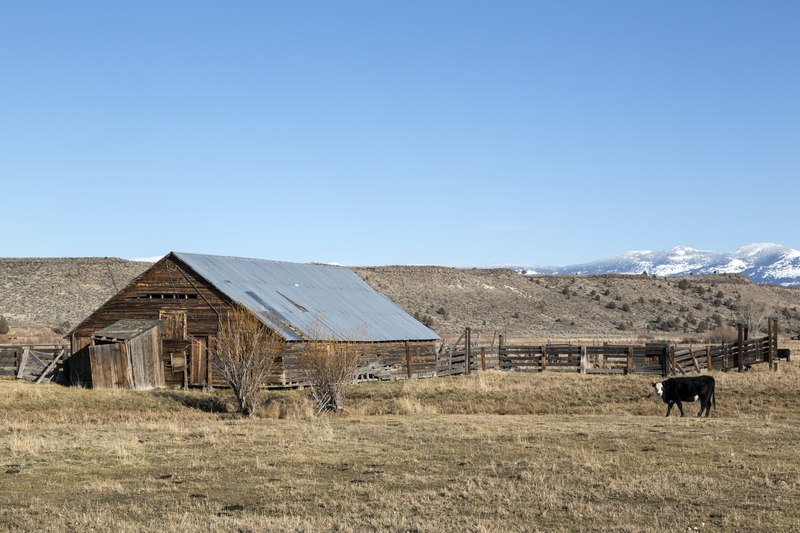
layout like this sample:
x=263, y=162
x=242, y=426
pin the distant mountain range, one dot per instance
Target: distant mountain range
x=761, y=262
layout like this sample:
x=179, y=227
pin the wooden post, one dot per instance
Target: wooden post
x=501, y=348
x=467, y=349
x=544, y=358
x=22, y=363
x=583, y=359
x=709, y=362
x=740, y=330
x=210, y=347
x=629, y=369
x=725, y=360
x=483, y=358
x=671, y=358
x=773, y=344
x=408, y=361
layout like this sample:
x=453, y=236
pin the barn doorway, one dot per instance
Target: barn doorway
x=198, y=364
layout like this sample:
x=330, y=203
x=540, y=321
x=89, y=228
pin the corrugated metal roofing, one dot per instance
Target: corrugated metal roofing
x=305, y=301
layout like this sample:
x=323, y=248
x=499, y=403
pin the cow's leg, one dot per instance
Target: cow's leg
x=703, y=404
x=680, y=407
x=669, y=407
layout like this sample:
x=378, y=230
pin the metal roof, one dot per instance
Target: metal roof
x=125, y=329
x=307, y=301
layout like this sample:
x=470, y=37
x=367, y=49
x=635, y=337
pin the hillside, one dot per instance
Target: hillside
x=571, y=306
x=59, y=293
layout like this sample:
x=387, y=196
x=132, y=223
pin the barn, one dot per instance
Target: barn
x=156, y=331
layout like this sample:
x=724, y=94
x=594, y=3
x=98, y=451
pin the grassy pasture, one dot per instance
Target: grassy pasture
x=487, y=452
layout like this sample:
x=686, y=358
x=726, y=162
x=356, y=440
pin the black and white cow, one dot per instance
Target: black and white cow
x=690, y=389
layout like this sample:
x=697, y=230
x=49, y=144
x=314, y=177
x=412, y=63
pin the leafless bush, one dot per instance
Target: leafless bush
x=245, y=355
x=727, y=334
x=752, y=315
x=330, y=367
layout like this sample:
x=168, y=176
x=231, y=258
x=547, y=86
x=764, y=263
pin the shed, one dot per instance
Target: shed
x=190, y=294
x=127, y=354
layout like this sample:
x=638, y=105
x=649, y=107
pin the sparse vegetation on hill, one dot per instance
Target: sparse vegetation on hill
x=574, y=306
x=57, y=292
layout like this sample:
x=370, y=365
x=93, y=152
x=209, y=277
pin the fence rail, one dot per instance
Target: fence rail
x=656, y=358
x=41, y=362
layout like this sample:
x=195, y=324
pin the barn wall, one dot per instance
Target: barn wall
x=384, y=360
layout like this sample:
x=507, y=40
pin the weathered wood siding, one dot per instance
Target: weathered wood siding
x=144, y=354
x=109, y=364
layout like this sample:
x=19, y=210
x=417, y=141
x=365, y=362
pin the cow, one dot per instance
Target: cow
x=688, y=389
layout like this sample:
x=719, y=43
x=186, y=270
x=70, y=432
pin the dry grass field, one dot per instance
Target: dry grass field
x=487, y=452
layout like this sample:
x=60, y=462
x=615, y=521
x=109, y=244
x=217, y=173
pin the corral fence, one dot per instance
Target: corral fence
x=37, y=363
x=661, y=358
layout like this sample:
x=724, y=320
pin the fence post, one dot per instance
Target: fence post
x=773, y=342
x=629, y=369
x=583, y=359
x=671, y=351
x=467, y=349
x=740, y=330
x=483, y=358
x=501, y=348
x=709, y=362
x=725, y=357
x=408, y=361
x=22, y=363
x=544, y=358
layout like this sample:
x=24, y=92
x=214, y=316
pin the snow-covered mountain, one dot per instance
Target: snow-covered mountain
x=761, y=262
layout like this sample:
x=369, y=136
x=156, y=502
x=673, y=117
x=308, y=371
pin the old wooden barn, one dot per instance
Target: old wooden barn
x=156, y=331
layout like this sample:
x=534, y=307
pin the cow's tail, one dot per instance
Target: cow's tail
x=714, y=398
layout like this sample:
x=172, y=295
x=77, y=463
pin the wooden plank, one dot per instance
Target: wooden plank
x=50, y=368
x=629, y=361
x=740, y=344
x=694, y=360
x=22, y=363
x=608, y=370
x=583, y=363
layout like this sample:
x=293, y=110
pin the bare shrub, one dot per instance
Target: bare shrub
x=752, y=315
x=330, y=367
x=727, y=334
x=245, y=355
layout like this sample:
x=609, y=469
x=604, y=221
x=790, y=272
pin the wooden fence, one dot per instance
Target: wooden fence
x=34, y=363
x=660, y=358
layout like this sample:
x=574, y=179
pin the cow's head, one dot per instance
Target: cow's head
x=659, y=387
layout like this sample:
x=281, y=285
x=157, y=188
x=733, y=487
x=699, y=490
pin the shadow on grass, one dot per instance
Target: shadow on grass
x=203, y=402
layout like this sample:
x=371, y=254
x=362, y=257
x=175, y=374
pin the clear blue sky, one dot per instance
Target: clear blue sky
x=458, y=133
